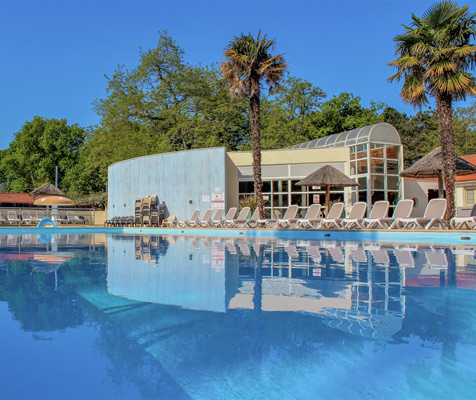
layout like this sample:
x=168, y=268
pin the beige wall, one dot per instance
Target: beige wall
x=279, y=157
x=418, y=191
x=295, y=159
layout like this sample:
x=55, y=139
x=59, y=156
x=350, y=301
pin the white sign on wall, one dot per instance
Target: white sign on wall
x=218, y=200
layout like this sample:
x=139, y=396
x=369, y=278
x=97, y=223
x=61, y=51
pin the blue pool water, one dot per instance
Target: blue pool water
x=124, y=316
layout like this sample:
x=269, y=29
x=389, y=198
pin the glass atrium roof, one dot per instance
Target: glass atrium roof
x=379, y=133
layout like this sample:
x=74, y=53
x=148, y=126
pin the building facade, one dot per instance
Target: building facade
x=213, y=178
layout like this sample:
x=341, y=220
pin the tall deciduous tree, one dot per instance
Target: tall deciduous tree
x=249, y=64
x=40, y=146
x=435, y=56
x=165, y=104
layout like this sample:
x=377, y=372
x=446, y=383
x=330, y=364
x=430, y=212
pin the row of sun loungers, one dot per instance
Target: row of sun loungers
x=27, y=218
x=377, y=219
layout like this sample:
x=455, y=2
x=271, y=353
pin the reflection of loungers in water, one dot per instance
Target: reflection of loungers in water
x=404, y=258
x=12, y=240
x=218, y=245
x=464, y=251
x=291, y=249
x=380, y=256
x=195, y=244
x=244, y=248
x=231, y=246
x=359, y=255
x=436, y=259
x=337, y=254
x=315, y=253
x=335, y=250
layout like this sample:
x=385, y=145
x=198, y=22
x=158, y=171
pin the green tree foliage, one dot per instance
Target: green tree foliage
x=40, y=146
x=419, y=133
x=464, y=126
x=435, y=58
x=164, y=105
x=345, y=112
x=289, y=117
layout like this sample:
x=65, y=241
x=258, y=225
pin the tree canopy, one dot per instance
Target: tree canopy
x=165, y=104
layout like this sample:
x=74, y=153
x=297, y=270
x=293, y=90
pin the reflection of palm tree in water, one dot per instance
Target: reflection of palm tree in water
x=450, y=337
x=257, y=301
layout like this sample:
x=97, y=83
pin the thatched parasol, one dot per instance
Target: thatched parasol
x=431, y=166
x=329, y=177
x=47, y=190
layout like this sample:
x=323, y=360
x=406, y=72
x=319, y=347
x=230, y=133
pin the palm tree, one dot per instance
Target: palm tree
x=434, y=59
x=249, y=63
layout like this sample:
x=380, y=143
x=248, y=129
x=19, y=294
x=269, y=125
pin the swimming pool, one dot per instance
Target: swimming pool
x=129, y=315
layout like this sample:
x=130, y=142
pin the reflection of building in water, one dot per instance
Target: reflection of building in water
x=182, y=274
x=354, y=287
x=349, y=286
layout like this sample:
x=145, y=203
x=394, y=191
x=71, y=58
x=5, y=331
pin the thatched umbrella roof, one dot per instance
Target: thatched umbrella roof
x=328, y=177
x=47, y=190
x=431, y=166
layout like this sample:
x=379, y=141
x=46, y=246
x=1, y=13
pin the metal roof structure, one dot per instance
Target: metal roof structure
x=378, y=133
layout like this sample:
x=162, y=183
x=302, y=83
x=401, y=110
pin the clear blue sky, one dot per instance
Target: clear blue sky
x=54, y=54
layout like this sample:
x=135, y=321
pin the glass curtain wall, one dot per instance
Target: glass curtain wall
x=375, y=167
x=279, y=194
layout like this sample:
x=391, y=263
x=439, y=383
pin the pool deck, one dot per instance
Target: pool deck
x=451, y=237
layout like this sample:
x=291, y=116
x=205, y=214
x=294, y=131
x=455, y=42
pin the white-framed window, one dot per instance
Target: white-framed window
x=470, y=195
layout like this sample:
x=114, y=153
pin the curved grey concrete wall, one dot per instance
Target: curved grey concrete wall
x=182, y=179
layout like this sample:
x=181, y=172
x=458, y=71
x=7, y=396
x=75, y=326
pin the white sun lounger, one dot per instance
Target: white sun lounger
x=379, y=211
x=252, y=222
x=211, y=221
x=334, y=213
x=312, y=214
x=355, y=217
x=357, y=211
x=228, y=217
x=12, y=217
x=240, y=219
x=469, y=221
x=290, y=214
x=185, y=222
x=26, y=217
x=434, y=214
x=200, y=222
x=403, y=210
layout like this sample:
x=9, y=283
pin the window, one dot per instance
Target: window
x=361, y=167
x=377, y=181
x=362, y=181
x=377, y=166
x=376, y=150
x=393, y=183
x=470, y=195
x=392, y=152
x=392, y=167
x=246, y=187
x=361, y=151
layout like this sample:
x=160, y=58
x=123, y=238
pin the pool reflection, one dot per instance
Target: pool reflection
x=358, y=288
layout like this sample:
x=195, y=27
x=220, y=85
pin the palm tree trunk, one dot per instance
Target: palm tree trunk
x=447, y=142
x=256, y=141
